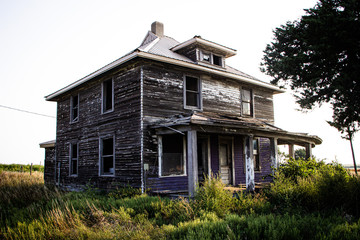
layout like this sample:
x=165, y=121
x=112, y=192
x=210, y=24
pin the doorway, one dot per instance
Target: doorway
x=226, y=159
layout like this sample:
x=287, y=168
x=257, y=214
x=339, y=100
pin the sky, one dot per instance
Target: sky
x=46, y=45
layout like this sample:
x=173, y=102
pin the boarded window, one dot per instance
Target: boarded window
x=246, y=98
x=74, y=159
x=256, y=154
x=107, y=96
x=192, y=92
x=74, y=105
x=107, y=156
x=172, y=161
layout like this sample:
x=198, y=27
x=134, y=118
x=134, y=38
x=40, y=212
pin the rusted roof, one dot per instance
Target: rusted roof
x=252, y=125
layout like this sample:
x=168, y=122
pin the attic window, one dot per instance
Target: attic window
x=211, y=58
x=217, y=60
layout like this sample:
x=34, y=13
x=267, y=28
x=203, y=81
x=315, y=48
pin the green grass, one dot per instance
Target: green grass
x=21, y=168
x=30, y=210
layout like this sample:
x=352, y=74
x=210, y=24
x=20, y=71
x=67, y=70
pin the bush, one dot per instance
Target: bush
x=213, y=197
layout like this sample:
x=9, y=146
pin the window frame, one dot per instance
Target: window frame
x=251, y=102
x=185, y=91
x=71, y=159
x=211, y=58
x=256, y=155
x=72, y=119
x=104, y=96
x=160, y=158
x=101, y=156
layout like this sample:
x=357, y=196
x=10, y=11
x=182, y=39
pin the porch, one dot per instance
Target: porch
x=238, y=150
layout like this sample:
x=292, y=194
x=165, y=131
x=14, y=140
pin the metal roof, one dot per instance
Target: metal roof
x=161, y=49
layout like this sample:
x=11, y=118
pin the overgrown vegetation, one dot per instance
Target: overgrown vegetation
x=21, y=168
x=307, y=200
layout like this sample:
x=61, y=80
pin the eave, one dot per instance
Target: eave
x=145, y=55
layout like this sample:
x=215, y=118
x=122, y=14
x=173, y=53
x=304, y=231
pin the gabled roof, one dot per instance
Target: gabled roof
x=163, y=49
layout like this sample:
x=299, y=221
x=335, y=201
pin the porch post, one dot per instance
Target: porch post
x=192, y=161
x=308, y=150
x=250, y=175
x=291, y=151
x=273, y=154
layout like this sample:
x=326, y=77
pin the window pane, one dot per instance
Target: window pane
x=192, y=84
x=108, y=165
x=73, y=166
x=217, y=60
x=108, y=146
x=107, y=95
x=206, y=57
x=246, y=95
x=255, y=145
x=192, y=99
x=74, y=151
x=173, y=157
x=246, y=108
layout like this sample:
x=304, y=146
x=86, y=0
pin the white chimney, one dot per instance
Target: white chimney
x=157, y=28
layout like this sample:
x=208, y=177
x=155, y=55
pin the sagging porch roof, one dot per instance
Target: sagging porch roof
x=228, y=124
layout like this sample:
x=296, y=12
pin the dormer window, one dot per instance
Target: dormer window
x=211, y=58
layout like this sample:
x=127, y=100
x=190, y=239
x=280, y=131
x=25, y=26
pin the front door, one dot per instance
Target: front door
x=225, y=159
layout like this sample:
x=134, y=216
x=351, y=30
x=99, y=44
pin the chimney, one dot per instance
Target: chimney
x=157, y=28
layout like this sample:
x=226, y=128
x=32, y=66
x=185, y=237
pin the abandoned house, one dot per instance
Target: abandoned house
x=164, y=116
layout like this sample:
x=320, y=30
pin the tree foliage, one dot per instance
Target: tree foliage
x=318, y=56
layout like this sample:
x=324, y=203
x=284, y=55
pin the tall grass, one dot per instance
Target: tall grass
x=21, y=168
x=30, y=210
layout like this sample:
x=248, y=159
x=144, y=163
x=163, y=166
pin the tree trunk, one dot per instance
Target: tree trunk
x=353, y=154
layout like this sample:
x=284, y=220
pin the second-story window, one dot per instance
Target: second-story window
x=192, y=92
x=74, y=108
x=246, y=102
x=107, y=96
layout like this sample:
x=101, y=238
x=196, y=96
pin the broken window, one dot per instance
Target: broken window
x=107, y=156
x=74, y=159
x=256, y=155
x=172, y=160
x=74, y=106
x=192, y=92
x=246, y=99
x=217, y=60
x=107, y=96
x=206, y=57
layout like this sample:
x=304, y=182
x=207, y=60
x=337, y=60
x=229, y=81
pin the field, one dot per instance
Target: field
x=308, y=200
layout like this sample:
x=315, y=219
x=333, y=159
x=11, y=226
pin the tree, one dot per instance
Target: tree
x=300, y=154
x=318, y=56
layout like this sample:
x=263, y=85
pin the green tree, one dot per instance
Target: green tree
x=300, y=154
x=318, y=56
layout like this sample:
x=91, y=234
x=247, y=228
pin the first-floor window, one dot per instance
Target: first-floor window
x=172, y=155
x=107, y=156
x=74, y=158
x=256, y=155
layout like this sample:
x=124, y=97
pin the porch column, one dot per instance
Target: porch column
x=192, y=161
x=308, y=150
x=291, y=151
x=249, y=160
x=273, y=154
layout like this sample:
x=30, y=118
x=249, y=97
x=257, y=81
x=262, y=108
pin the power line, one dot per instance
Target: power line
x=24, y=111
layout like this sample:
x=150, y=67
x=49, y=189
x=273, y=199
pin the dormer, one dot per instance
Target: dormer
x=204, y=52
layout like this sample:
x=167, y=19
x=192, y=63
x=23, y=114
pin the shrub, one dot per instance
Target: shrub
x=212, y=196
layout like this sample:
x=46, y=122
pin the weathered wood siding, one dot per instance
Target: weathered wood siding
x=123, y=124
x=49, y=165
x=263, y=105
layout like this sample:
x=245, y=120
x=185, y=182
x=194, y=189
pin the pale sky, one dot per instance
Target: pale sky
x=46, y=45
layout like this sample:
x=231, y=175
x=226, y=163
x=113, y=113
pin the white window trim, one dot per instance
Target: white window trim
x=71, y=109
x=200, y=107
x=102, y=97
x=71, y=159
x=160, y=156
x=101, y=156
x=258, y=154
